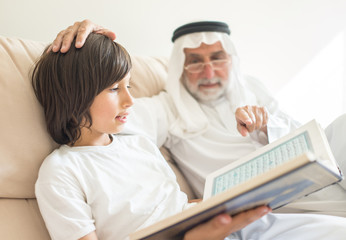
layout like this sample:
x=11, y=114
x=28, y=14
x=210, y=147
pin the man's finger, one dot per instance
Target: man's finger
x=242, y=129
x=258, y=113
x=56, y=45
x=68, y=37
x=108, y=33
x=244, y=120
x=265, y=116
x=252, y=126
x=85, y=28
x=242, y=116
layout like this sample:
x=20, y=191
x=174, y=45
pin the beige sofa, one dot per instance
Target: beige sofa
x=24, y=141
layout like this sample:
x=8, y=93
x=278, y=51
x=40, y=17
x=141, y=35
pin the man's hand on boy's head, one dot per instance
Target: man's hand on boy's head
x=82, y=30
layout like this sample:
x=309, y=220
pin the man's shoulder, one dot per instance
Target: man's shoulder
x=337, y=127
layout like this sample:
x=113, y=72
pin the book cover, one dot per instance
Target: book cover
x=274, y=175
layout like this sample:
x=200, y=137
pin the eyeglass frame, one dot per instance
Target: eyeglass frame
x=226, y=60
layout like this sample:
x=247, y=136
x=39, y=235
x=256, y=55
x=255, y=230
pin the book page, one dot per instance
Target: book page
x=308, y=138
x=263, y=163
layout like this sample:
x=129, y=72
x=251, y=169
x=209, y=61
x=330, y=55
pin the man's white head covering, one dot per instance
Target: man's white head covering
x=191, y=120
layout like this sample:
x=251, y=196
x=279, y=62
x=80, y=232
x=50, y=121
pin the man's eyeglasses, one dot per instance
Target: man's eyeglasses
x=199, y=67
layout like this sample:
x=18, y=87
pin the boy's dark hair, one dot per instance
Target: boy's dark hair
x=66, y=83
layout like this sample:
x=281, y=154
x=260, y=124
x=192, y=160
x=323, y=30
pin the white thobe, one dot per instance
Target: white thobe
x=199, y=155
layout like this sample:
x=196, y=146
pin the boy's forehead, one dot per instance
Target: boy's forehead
x=127, y=77
x=124, y=80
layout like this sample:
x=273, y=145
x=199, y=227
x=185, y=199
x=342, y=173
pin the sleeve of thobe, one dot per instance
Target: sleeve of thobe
x=279, y=125
x=148, y=117
x=336, y=133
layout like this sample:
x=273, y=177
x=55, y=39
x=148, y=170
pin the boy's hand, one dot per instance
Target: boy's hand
x=223, y=225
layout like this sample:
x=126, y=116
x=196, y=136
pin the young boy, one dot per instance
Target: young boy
x=100, y=184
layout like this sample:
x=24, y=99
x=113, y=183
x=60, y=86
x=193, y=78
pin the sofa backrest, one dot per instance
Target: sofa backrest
x=24, y=141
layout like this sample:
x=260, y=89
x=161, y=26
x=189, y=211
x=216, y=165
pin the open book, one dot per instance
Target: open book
x=293, y=166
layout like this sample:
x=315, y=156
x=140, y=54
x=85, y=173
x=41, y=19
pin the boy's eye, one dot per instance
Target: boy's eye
x=114, y=89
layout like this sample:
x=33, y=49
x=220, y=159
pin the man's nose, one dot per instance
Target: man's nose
x=208, y=71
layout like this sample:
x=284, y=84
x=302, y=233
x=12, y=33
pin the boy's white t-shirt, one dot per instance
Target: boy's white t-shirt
x=114, y=189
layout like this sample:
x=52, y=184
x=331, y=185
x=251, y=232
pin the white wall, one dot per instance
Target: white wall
x=289, y=44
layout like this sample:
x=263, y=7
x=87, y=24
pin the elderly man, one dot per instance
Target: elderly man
x=210, y=116
x=208, y=123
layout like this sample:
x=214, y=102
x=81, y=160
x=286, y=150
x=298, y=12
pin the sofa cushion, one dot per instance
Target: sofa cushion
x=21, y=219
x=148, y=75
x=24, y=141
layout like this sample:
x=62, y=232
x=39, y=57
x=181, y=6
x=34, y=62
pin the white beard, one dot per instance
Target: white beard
x=205, y=95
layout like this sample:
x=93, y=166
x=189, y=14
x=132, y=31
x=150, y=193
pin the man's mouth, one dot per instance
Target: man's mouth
x=209, y=85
